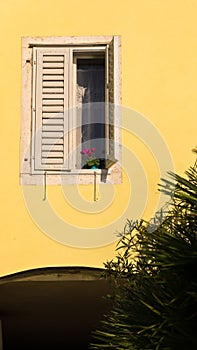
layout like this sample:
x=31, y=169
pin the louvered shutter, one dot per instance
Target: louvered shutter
x=110, y=105
x=51, y=108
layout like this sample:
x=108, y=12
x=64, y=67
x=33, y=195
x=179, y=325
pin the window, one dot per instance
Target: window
x=70, y=88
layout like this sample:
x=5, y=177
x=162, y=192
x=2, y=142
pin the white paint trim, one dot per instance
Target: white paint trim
x=78, y=44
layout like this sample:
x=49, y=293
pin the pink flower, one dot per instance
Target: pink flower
x=88, y=151
x=85, y=151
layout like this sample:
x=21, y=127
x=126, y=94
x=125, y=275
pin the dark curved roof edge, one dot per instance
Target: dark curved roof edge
x=55, y=273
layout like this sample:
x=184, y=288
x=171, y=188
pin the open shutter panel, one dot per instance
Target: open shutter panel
x=51, y=109
x=110, y=110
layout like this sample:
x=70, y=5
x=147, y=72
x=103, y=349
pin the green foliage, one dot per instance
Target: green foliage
x=154, y=273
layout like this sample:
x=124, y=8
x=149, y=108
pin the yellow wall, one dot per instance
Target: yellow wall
x=159, y=74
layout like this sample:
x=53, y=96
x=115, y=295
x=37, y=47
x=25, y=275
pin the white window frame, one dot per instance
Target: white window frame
x=28, y=174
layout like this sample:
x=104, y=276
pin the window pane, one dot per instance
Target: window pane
x=91, y=81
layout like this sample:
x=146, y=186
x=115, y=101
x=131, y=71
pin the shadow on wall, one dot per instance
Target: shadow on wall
x=52, y=308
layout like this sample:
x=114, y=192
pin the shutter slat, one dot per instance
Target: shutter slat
x=52, y=148
x=58, y=71
x=53, y=109
x=52, y=154
x=47, y=127
x=47, y=77
x=53, y=58
x=52, y=121
x=51, y=115
x=52, y=142
x=53, y=90
x=53, y=84
x=52, y=100
x=52, y=134
x=53, y=65
x=50, y=161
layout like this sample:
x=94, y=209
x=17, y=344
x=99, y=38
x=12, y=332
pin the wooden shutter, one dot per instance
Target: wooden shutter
x=110, y=105
x=50, y=108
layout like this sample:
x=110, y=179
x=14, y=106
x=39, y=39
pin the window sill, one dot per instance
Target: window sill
x=74, y=176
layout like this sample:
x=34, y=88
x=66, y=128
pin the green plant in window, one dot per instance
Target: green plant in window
x=89, y=158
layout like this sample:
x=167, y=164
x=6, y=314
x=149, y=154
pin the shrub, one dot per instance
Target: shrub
x=154, y=273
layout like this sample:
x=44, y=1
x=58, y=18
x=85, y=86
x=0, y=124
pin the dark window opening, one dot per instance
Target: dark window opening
x=91, y=78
